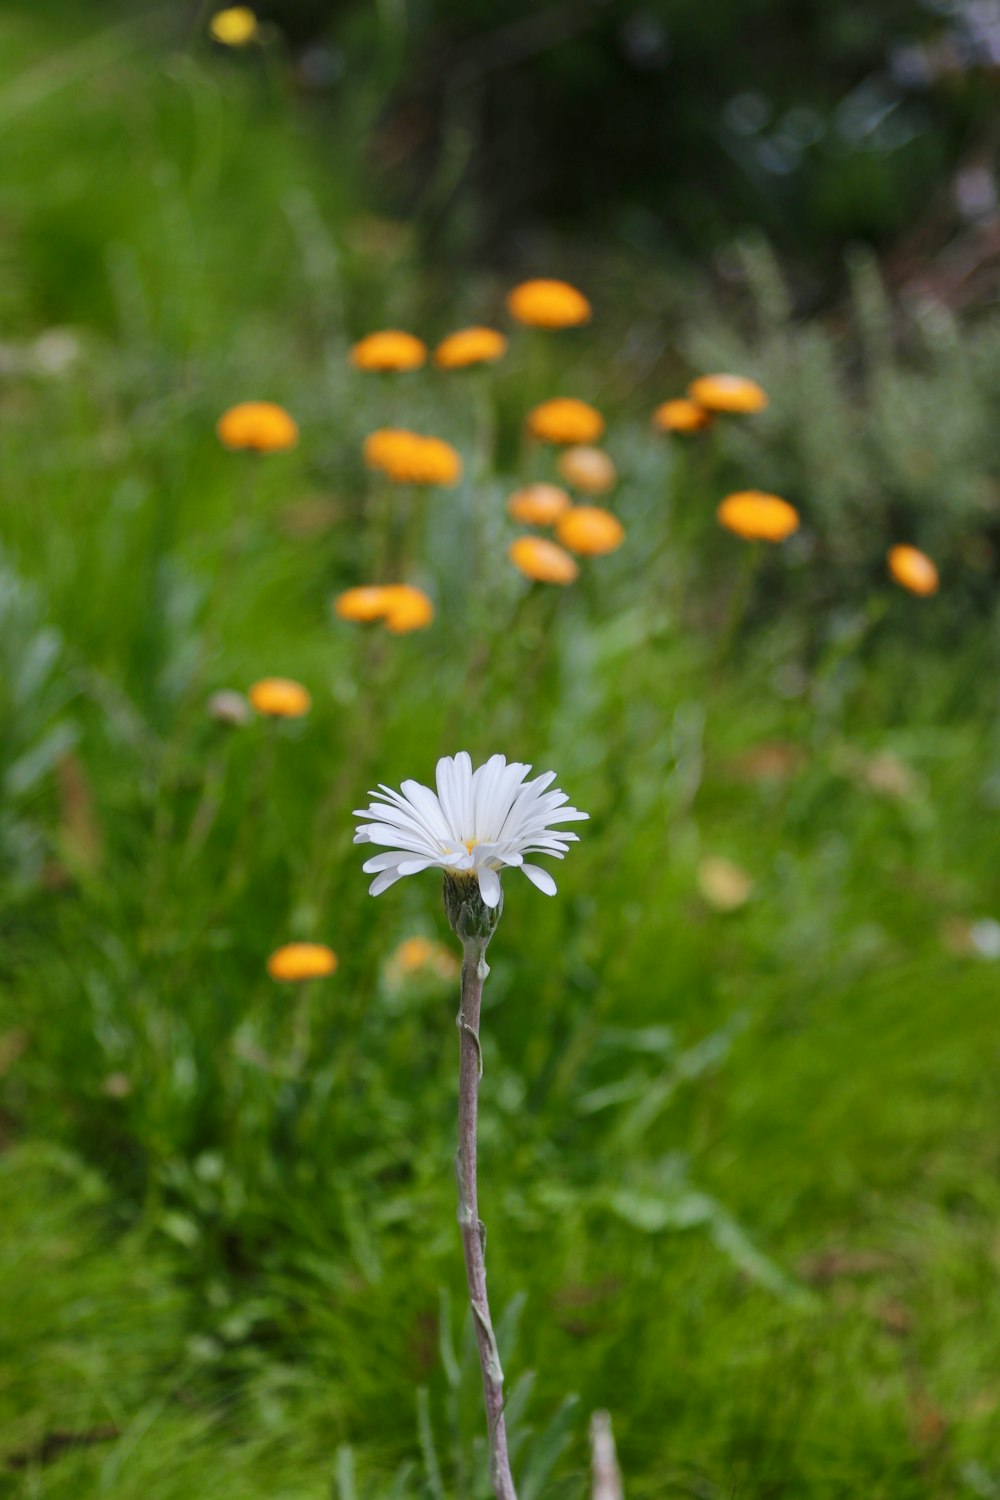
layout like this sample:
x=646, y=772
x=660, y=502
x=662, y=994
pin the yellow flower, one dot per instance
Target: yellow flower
x=681, y=416
x=280, y=698
x=914, y=570
x=470, y=346
x=758, y=517
x=538, y=504
x=565, y=420
x=407, y=458
x=260, y=426
x=406, y=608
x=590, y=531
x=299, y=961
x=390, y=349
x=233, y=27
x=589, y=470
x=728, y=393
x=548, y=304
x=542, y=561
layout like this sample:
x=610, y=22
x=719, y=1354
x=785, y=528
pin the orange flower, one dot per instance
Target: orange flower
x=406, y=608
x=413, y=953
x=401, y=606
x=681, y=416
x=729, y=393
x=565, y=420
x=538, y=504
x=914, y=570
x=758, y=517
x=381, y=446
x=260, y=426
x=420, y=957
x=408, y=458
x=470, y=346
x=542, y=561
x=280, y=698
x=298, y=961
x=388, y=350
x=589, y=470
x=363, y=604
x=548, y=304
x=233, y=27
x=590, y=531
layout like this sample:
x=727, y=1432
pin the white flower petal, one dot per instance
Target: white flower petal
x=383, y=882
x=495, y=854
x=414, y=866
x=383, y=861
x=489, y=885
x=396, y=838
x=428, y=807
x=447, y=795
x=541, y=878
x=485, y=783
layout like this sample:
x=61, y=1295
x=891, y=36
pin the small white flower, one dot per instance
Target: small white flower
x=477, y=823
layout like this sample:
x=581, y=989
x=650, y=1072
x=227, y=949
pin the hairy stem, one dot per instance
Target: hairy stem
x=473, y=1229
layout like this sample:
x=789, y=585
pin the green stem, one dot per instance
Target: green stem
x=739, y=600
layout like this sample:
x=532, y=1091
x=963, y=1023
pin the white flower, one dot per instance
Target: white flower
x=477, y=823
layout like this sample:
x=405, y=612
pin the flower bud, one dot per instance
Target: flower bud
x=471, y=919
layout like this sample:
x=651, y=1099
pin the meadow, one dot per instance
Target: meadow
x=740, y=1120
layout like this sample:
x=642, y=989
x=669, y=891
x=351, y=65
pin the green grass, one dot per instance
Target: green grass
x=739, y=1169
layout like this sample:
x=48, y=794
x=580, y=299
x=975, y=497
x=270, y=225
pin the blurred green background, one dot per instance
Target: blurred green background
x=740, y=1132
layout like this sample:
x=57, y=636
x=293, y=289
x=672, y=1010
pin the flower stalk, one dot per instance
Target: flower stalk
x=477, y=823
x=473, y=1230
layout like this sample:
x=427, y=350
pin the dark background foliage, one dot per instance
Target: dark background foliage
x=668, y=125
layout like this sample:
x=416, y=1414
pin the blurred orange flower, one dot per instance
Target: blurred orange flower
x=728, y=393
x=681, y=416
x=408, y=458
x=381, y=446
x=590, y=531
x=542, y=561
x=758, y=517
x=401, y=606
x=538, y=504
x=280, y=698
x=723, y=884
x=390, y=349
x=362, y=604
x=548, y=304
x=913, y=570
x=565, y=420
x=422, y=957
x=470, y=346
x=298, y=961
x=406, y=608
x=260, y=426
x=589, y=470
x=413, y=953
